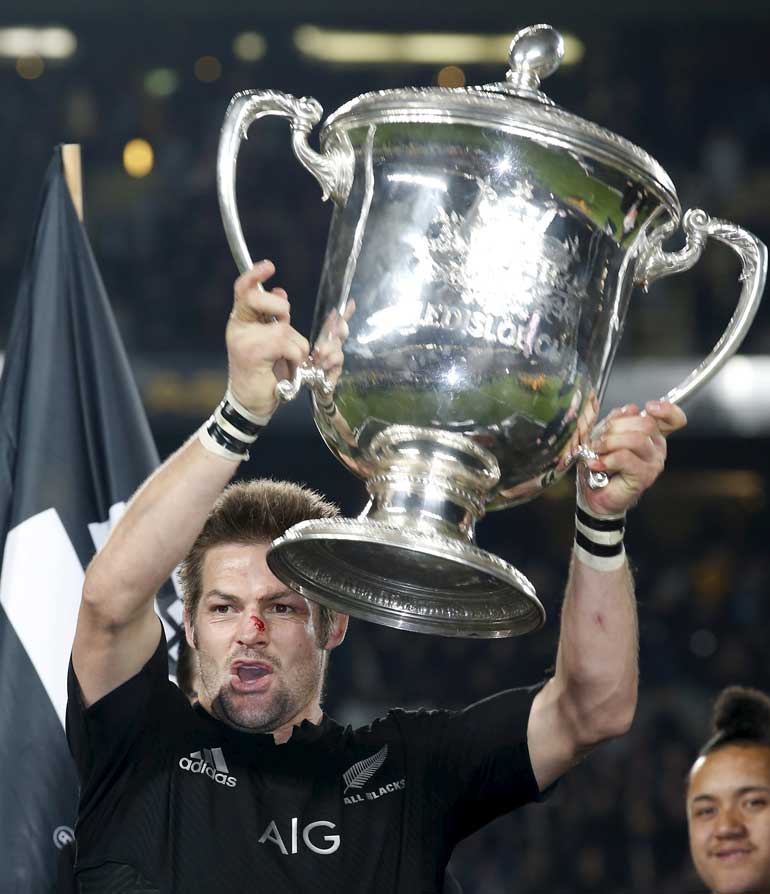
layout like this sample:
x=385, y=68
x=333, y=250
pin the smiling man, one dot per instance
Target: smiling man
x=255, y=788
x=728, y=797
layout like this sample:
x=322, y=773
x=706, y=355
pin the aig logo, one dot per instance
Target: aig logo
x=314, y=841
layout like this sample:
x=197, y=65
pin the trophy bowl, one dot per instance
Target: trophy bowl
x=483, y=249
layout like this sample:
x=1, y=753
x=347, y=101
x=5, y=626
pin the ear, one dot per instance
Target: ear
x=189, y=630
x=338, y=631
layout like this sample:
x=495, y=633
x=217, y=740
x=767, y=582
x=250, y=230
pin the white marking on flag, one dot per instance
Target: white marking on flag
x=176, y=609
x=40, y=586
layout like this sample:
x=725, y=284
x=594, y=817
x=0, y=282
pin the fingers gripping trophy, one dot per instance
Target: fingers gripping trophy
x=483, y=250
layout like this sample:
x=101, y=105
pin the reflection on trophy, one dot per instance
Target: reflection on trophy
x=483, y=249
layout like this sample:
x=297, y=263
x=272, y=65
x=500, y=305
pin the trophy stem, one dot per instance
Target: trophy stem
x=419, y=504
x=429, y=480
x=410, y=561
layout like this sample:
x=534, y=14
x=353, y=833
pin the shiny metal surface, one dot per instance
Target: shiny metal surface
x=411, y=580
x=491, y=279
x=535, y=53
x=483, y=251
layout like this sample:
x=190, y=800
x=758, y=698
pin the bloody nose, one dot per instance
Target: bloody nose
x=259, y=624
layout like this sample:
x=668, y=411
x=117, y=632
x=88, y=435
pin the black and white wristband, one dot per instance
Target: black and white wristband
x=231, y=429
x=599, y=539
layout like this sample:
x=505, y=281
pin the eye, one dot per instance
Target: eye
x=221, y=609
x=756, y=803
x=704, y=812
x=283, y=608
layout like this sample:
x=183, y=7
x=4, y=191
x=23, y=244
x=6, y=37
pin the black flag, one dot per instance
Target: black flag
x=74, y=445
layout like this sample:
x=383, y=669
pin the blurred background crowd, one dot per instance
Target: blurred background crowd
x=145, y=91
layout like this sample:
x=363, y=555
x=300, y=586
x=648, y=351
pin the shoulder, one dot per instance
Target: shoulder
x=508, y=707
x=402, y=721
x=147, y=708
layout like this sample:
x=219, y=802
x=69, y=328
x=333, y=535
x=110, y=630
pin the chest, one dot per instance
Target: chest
x=287, y=802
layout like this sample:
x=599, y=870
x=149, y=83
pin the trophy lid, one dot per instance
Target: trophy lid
x=516, y=105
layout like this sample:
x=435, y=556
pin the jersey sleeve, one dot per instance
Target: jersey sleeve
x=479, y=764
x=102, y=735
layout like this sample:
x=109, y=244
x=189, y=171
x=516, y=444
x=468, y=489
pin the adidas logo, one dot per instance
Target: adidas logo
x=211, y=763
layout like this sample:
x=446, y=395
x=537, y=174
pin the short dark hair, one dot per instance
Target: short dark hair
x=741, y=716
x=255, y=511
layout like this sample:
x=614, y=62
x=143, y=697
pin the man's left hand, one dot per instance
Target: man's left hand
x=631, y=448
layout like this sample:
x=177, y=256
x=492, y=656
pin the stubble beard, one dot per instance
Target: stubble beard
x=263, y=716
x=260, y=713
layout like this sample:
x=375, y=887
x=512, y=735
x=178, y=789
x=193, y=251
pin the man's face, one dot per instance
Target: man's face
x=728, y=813
x=261, y=667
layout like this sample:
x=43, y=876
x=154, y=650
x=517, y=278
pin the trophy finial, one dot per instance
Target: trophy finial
x=535, y=53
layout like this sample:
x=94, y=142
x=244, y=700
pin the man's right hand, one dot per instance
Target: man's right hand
x=262, y=346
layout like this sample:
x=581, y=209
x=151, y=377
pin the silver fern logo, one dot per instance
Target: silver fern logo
x=359, y=774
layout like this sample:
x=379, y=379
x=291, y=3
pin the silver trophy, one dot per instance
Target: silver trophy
x=483, y=248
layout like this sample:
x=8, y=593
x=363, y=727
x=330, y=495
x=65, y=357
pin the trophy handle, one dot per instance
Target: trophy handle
x=333, y=170
x=656, y=263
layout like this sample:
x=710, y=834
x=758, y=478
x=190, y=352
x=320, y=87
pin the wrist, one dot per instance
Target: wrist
x=258, y=419
x=231, y=429
x=599, y=539
x=583, y=504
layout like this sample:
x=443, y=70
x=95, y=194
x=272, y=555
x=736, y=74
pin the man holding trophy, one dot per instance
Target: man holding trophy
x=255, y=788
x=480, y=264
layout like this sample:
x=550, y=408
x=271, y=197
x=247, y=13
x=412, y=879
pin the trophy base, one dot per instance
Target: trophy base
x=409, y=579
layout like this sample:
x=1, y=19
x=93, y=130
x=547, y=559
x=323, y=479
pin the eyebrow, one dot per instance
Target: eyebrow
x=284, y=594
x=744, y=790
x=229, y=597
x=218, y=594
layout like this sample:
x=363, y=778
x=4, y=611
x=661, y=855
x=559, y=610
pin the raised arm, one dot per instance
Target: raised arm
x=592, y=695
x=117, y=628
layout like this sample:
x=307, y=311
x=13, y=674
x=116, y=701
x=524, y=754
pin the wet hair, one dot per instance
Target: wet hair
x=253, y=512
x=741, y=716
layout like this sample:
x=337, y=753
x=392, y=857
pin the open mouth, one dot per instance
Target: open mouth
x=250, y=676
x=248, y=673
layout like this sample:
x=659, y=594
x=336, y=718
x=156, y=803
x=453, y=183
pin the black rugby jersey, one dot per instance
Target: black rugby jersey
x=174, y=801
